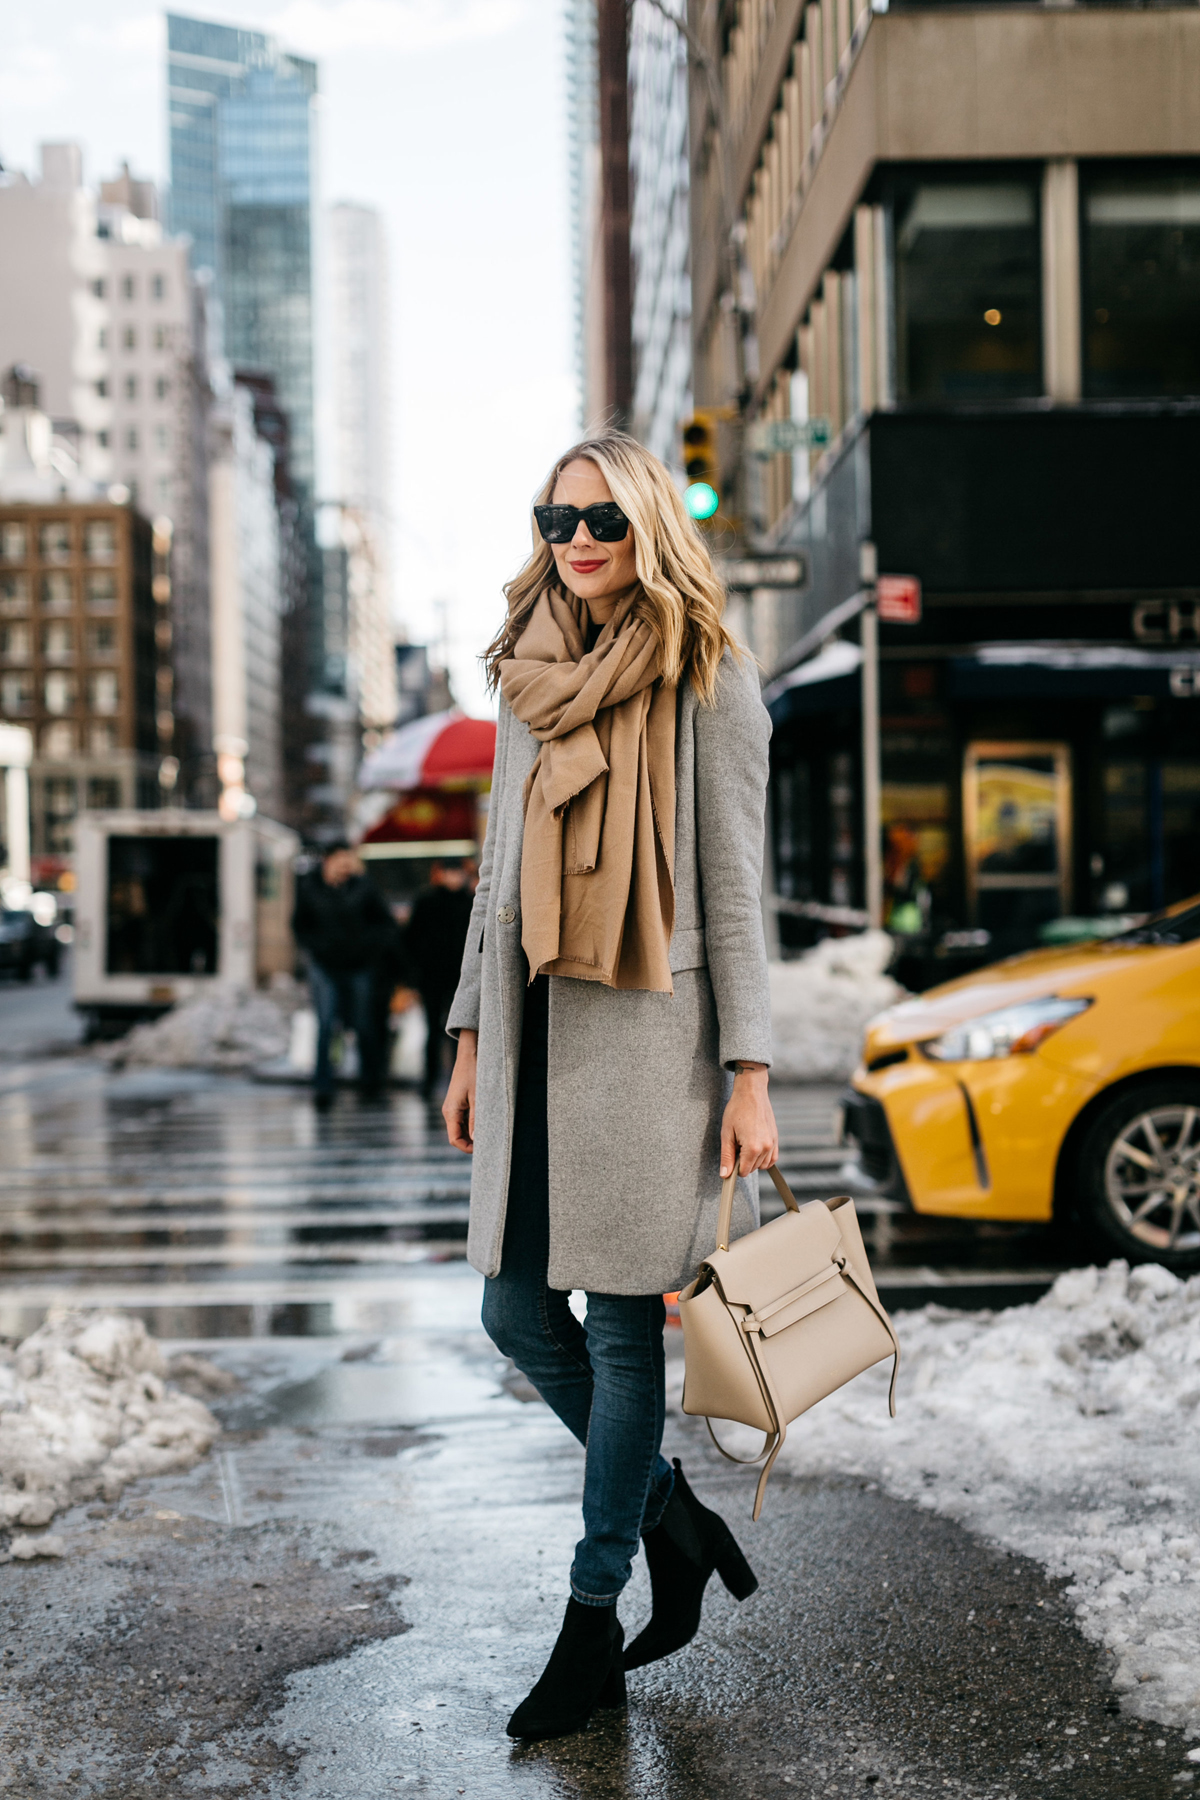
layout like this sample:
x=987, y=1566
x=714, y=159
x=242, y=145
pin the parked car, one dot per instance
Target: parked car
x=1063, y=1082
x=25, y=942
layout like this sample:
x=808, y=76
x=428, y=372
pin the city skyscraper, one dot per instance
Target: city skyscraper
x=242, y=172
x=361, y=446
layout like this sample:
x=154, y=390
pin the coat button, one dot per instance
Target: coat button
x=507, y=914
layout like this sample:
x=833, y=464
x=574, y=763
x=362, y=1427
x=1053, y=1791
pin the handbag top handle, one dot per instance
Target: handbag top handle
x=725, y=1216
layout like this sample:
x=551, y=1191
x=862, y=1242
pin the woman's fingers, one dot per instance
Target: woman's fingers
x=729, y=1146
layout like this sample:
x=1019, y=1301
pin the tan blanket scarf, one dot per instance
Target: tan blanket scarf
x=597, y=868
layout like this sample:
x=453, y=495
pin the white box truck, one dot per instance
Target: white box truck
x=172, y=904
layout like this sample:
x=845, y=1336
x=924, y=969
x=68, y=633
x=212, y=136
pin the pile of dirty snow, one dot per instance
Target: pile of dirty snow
x=84, y=1409
x=223, y=1031
x=1066, y=1431
x=821, y=1002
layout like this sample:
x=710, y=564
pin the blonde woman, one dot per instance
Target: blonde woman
x=612, y=1020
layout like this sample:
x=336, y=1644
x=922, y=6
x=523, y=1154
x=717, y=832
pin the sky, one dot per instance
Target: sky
x=449, y=116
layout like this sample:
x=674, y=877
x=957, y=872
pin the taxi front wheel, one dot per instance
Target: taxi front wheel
x=1139, y=1173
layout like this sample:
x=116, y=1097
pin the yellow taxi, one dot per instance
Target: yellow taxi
x=1062, y=1082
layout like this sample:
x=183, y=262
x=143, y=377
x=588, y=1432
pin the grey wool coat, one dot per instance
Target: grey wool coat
x=637, y=1081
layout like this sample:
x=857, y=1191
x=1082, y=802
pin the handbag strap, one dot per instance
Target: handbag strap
x=728, y=1187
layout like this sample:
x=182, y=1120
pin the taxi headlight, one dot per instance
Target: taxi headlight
x=1013, y=1031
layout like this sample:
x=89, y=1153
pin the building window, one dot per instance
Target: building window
x=160, y=337
x=160, y=388
x=104, y=793
x=162, y=490
x=101, y=642
x=101, y=593
x=102, y=388
x=99, y=287
x=131, y=438
x=102, y=440
x=129, y=337
x=131, y=387
x=100, y=541
x=59, y=691
x=15, y=643
x=58, y=642
x=127, y=287
x=159, y=287
x=102, y=338
x=162, y=437
x=14, y=595
x=968, y=288
x=103, y=695
x=59, y=803
x=56, y=592
x=16, y=695
x=58, y=740
x=1141, y=280
x=102, y=737
x=55, y=542
x=12, y=542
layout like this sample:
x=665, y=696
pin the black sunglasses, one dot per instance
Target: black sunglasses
x=605, y=520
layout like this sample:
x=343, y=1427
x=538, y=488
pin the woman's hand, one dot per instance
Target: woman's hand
x=458, y=1108
x=748, y=1130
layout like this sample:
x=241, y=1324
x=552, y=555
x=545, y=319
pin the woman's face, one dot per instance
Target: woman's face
x=598, y=573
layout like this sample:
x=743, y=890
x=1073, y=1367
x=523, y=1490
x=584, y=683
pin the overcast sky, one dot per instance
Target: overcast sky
x=448, y=115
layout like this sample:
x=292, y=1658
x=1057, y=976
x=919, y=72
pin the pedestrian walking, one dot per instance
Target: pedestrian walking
x=343, y=923
x=434, y=941
x=613, y=1020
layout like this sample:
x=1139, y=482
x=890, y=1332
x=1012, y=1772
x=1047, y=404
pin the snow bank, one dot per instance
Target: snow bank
x=228, y=1031
x=84, y=1409
x=1067, y=1431
x=820, y=1003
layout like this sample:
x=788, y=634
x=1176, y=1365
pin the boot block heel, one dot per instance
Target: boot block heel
x=612, y=1694
x=733, y=1568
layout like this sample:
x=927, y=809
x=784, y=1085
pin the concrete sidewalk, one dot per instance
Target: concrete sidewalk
x=349, y=1596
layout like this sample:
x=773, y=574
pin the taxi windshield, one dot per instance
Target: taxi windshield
x=1164, y=928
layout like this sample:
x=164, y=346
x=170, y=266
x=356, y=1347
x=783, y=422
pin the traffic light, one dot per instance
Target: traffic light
x=701, y=496
x=700, y=446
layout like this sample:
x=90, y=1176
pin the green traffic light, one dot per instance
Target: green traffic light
x=701, y=500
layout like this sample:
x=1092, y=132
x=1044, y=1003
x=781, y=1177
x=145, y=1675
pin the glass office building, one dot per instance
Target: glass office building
x=242, y=154
x=660, y=228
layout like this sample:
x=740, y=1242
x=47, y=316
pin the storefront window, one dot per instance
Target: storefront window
x=1151, y=837
x=968, y=288
x=1017, y=831
x=1141, y=281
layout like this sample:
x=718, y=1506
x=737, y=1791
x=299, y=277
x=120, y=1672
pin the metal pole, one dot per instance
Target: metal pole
x=872, y=823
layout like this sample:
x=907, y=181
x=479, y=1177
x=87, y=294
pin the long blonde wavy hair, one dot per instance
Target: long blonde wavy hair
x=682, y=599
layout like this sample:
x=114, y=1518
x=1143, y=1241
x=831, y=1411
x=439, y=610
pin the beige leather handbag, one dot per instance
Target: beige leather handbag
x=781, y=1318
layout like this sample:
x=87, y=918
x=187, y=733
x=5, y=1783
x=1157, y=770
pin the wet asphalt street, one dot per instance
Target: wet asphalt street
x=348, y=1596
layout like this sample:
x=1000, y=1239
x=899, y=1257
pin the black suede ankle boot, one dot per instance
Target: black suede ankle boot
x=584, y=1672
x=687, y=1544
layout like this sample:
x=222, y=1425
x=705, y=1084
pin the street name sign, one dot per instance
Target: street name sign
x=779, y=437
x=764, y=572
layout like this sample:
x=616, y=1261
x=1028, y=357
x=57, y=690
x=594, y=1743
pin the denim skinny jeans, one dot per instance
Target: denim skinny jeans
x=604, y=1378
x=351, y=997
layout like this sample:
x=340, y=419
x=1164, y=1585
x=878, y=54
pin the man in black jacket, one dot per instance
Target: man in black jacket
x=433, y=942
x=343, y=923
